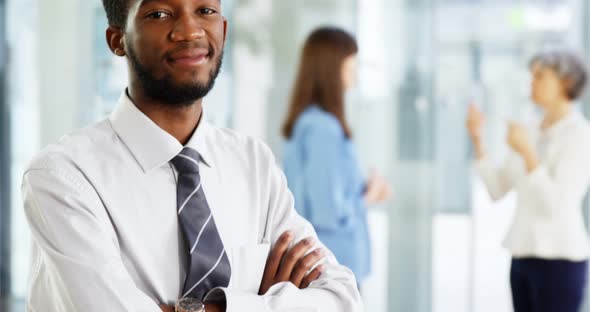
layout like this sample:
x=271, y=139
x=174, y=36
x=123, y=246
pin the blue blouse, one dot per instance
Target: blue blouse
x=324, y=174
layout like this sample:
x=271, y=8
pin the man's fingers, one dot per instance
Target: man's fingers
x=292, y=257
x=277, y=254
x=166, y=308
x=304, y=265
x=312, y=276
x=274, y=260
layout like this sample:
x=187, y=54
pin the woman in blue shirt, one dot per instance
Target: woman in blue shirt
x=321, y=162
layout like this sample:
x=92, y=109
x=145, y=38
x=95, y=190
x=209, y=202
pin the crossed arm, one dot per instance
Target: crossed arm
x=283, y=265
x=66, y=215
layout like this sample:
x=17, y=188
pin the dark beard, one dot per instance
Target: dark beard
x=165, y=91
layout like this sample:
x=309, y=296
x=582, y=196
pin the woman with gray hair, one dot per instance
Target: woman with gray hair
x=549, y=168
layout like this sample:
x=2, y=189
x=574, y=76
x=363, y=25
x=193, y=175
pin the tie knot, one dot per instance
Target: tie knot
x=187, y=161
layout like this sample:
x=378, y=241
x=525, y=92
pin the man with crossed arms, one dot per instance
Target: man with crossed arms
x=154, y=204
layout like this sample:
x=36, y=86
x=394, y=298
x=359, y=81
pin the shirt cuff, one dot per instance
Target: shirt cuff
x=238, y=301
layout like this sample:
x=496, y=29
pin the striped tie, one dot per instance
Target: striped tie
x=209, y=265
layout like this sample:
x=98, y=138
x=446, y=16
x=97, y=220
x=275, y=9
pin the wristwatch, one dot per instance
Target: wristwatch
x=189, y=305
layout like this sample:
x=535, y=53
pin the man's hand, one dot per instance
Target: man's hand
x=214, y=307
x=291, y=265
x=166, y=308
x=209, y=307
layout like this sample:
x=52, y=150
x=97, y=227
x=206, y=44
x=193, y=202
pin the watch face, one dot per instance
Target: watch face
x=190, y=305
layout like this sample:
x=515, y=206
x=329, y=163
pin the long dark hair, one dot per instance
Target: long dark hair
x=319, y=80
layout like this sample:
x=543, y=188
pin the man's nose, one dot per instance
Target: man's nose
x=187, y=28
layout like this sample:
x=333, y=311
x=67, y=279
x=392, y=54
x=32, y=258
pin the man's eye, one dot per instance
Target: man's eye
x=158, y=15
x=207, y=11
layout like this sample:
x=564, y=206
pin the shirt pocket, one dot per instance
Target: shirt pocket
x=247, y=264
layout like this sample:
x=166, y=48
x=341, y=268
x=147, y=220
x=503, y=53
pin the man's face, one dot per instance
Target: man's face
x=175, y=47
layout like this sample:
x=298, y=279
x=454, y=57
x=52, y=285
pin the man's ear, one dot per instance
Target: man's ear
x=225, y=26
x=115, y=41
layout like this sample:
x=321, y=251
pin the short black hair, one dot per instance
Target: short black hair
x=117, y=11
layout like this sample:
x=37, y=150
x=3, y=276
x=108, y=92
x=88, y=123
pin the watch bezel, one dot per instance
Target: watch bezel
x=194, y=305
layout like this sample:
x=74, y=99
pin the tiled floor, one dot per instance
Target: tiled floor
x=10, y=305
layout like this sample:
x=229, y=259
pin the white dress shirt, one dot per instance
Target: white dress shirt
x=548, y=221
x=102, y=209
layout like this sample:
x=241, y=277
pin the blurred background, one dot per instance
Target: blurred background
x=437, y=244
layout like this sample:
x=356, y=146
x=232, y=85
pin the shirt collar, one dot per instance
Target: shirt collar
x=151, y=146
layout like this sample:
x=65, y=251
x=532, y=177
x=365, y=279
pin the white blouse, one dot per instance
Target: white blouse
x=548, y=221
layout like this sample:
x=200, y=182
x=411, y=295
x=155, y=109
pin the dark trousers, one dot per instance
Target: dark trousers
x=540, y=285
